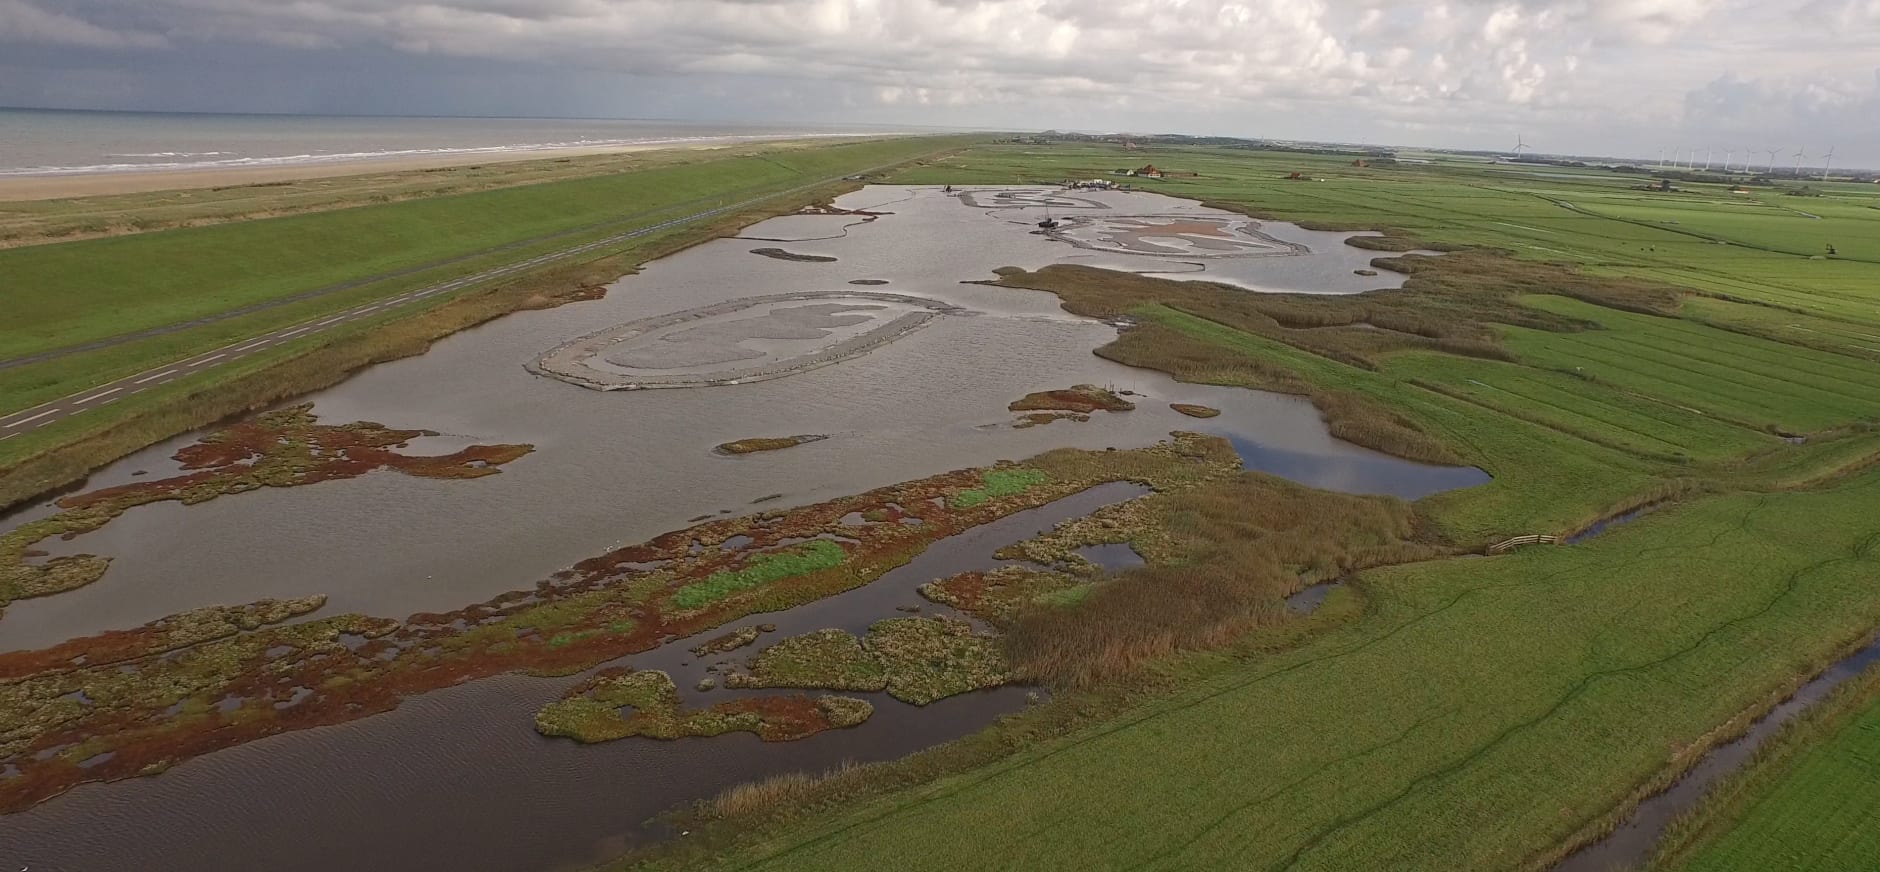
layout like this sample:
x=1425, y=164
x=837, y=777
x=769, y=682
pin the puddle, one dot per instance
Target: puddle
x=1602, y=525
x=1632, y=843
x=736, y=543
x=96, y=759
x=1355, y=473
x=1307, y=601
x=1111, y=557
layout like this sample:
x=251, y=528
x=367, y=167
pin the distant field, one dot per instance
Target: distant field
x=1487, y=713
x=27, y=222
x=1479, y=713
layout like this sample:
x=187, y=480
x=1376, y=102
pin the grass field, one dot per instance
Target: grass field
x=1494, y=708
x=29, y=222
x=1611, y=348
x=1807, y=804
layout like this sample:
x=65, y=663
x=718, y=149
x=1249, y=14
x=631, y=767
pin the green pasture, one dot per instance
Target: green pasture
x=1812, y=808
x=1480, y=713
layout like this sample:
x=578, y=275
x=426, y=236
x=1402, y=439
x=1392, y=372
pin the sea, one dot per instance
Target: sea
x=65, y=142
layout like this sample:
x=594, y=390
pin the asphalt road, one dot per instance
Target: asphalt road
x=27, y=420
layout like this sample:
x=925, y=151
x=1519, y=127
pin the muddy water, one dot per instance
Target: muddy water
x=1629, y=846
x=1308, y=600
x=458, y=778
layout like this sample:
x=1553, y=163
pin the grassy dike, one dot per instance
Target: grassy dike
x=30, y=222
x=1482, y=713
x=191, y=272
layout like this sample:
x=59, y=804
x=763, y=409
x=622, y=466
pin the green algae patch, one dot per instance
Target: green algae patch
x=617, y=704
x=996, y=597
x=845, y=711
x=285, y=448
x=727, y=642
x=930, y=659
x=1000, y=483
x=755, y=444
x=824, y=659
x=917, y=660
x=761, y=570
x=178, y=631
x=143, y=710
x=1194, y=410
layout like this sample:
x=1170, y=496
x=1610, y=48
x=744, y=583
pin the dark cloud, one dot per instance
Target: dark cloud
x=1580, y=75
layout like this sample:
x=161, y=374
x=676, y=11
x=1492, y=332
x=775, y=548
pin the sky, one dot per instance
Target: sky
x=1603, y=77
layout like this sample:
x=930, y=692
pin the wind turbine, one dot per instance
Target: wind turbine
x=1727, y=154
x=1519, y=145
x=1707, y=153
x=1772, y=160
x=1661, y=157
x=1800, y=152
x=1827, y=160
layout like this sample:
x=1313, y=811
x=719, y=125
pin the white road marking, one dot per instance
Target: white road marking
x=84, y=400
x=295, y=332
x=250, y=345
x=209, y=358
x=33, y=418
x=154, y=377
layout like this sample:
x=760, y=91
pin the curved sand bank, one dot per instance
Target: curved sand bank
x=739, y=341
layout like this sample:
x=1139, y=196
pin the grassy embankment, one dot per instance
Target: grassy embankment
x=29, y=222
x=1502, y=710
x=1805, y=804
x=72, y=293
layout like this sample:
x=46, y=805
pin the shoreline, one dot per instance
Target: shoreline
x=58, y=186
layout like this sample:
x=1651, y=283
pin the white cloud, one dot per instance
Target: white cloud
x=1249, y=66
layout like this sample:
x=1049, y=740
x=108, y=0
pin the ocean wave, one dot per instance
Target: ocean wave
x=173, y=154
x=222, y=161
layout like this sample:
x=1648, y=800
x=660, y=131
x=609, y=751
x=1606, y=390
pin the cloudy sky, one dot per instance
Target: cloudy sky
x=1580, y=76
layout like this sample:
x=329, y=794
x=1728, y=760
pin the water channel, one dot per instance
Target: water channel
x=458, y=778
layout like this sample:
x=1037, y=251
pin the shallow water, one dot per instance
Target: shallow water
x=1309, y=599
x=1631, y=844
x=1111, y=557
x=614, y=469
x=458, y=777
x=1362, y=472
x=1603, y=524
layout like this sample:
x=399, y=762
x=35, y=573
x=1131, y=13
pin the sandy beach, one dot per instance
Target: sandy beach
x=56, y=186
